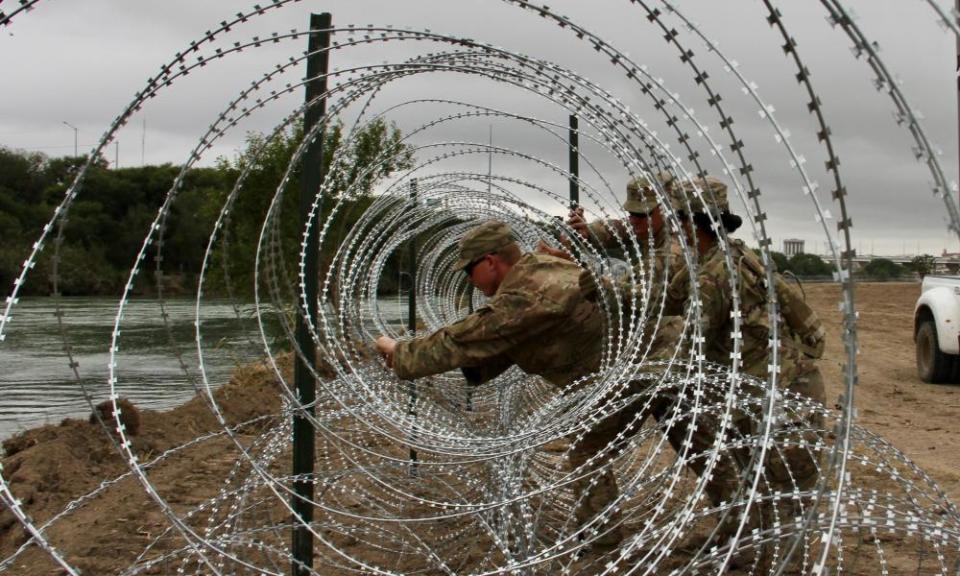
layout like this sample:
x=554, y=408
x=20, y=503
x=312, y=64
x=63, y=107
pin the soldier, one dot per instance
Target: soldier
x=801, y=338
x=646, y=220
x=531, y=295
x=536, y=319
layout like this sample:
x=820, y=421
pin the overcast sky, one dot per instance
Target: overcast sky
x=82, y=61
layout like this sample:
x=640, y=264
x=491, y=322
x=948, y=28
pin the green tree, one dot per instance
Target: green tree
x=22, y=182
x=882, y=269
x=267, y=161
x=923, y=264
x=808, y=265
x=106, y=224
x=781, y=261
x=110, y=218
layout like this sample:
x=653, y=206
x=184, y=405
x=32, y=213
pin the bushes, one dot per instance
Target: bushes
x=882, y=269
x=110, y=218
x=878, y=269
x=81, y=271
x=806, y=265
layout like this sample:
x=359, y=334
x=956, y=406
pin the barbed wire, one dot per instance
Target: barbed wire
x=497, y=484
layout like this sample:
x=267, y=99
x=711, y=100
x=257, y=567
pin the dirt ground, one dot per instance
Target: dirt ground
x=49, y=466
x=922, y=420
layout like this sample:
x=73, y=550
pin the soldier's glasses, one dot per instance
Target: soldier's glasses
x=640, y=215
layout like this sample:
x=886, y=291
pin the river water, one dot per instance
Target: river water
x=37, y=385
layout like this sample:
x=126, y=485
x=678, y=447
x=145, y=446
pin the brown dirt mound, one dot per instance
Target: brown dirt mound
x=49, y=466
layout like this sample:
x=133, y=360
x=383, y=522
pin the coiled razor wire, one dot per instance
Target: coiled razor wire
x=493, y=488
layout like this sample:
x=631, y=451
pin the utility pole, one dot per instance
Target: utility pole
x=490, y=159
x=76, y=138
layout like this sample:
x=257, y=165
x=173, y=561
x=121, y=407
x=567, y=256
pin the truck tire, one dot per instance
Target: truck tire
x=933, y=365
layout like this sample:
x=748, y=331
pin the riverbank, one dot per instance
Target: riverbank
x=49, y=466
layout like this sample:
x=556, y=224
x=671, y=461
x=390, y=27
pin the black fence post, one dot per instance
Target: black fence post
x=574, y=162
x=312, y=175
x=412, y=315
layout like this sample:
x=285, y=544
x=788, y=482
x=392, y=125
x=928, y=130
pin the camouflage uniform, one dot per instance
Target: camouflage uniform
x=799, y=329
x=537, y=320
x=788, y=465
x=797, y=369
x=612, y=234
x=641, y=199
x=667, y=259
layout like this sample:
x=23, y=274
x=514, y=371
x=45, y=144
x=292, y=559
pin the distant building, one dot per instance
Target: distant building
x=792, y=247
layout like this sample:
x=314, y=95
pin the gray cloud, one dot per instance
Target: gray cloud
x=83, y=61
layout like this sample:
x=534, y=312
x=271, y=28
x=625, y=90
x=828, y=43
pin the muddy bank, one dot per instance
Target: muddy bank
x=49, y=466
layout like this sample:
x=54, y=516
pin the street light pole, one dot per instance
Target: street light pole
x=76, y=138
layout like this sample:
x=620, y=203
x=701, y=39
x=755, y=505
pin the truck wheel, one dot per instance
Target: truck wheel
x=932, y=365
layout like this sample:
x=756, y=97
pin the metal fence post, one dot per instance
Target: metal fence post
x=312, y=175
x=574, y=162
x=412, y=315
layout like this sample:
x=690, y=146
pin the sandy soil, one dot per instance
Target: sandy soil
x=922, y=420
x=47, y=467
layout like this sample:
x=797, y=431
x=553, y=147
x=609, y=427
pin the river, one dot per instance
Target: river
x=37, y=385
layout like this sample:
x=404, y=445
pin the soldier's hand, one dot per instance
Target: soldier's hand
x=588, y=285
x=576, y=221
x=386, y=346
x=544, y=248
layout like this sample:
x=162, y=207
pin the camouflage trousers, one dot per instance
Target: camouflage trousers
x=794, y=462
x=595, y=491
x=791, y=464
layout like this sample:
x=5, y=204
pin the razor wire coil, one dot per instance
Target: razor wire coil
x=487, y=475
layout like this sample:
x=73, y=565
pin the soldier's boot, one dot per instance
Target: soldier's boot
x=601, y=542
x=748, y=554
x=597, y=489
x=747, y=551
x=721, y=488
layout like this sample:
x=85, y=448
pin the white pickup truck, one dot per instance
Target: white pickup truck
x=936, y=329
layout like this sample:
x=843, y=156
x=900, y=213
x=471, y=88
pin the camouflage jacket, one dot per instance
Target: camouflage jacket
x=608, y=234
x=668, y=274
x=716, y=306
x=537, y=320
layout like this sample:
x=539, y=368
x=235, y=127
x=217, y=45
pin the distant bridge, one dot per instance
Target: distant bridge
x=942, y=264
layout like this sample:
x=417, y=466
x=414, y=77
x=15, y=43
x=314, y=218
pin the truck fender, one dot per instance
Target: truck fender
x=943, y=305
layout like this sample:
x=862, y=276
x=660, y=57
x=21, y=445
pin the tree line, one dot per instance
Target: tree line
x=109, y=219
x=881, y=269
